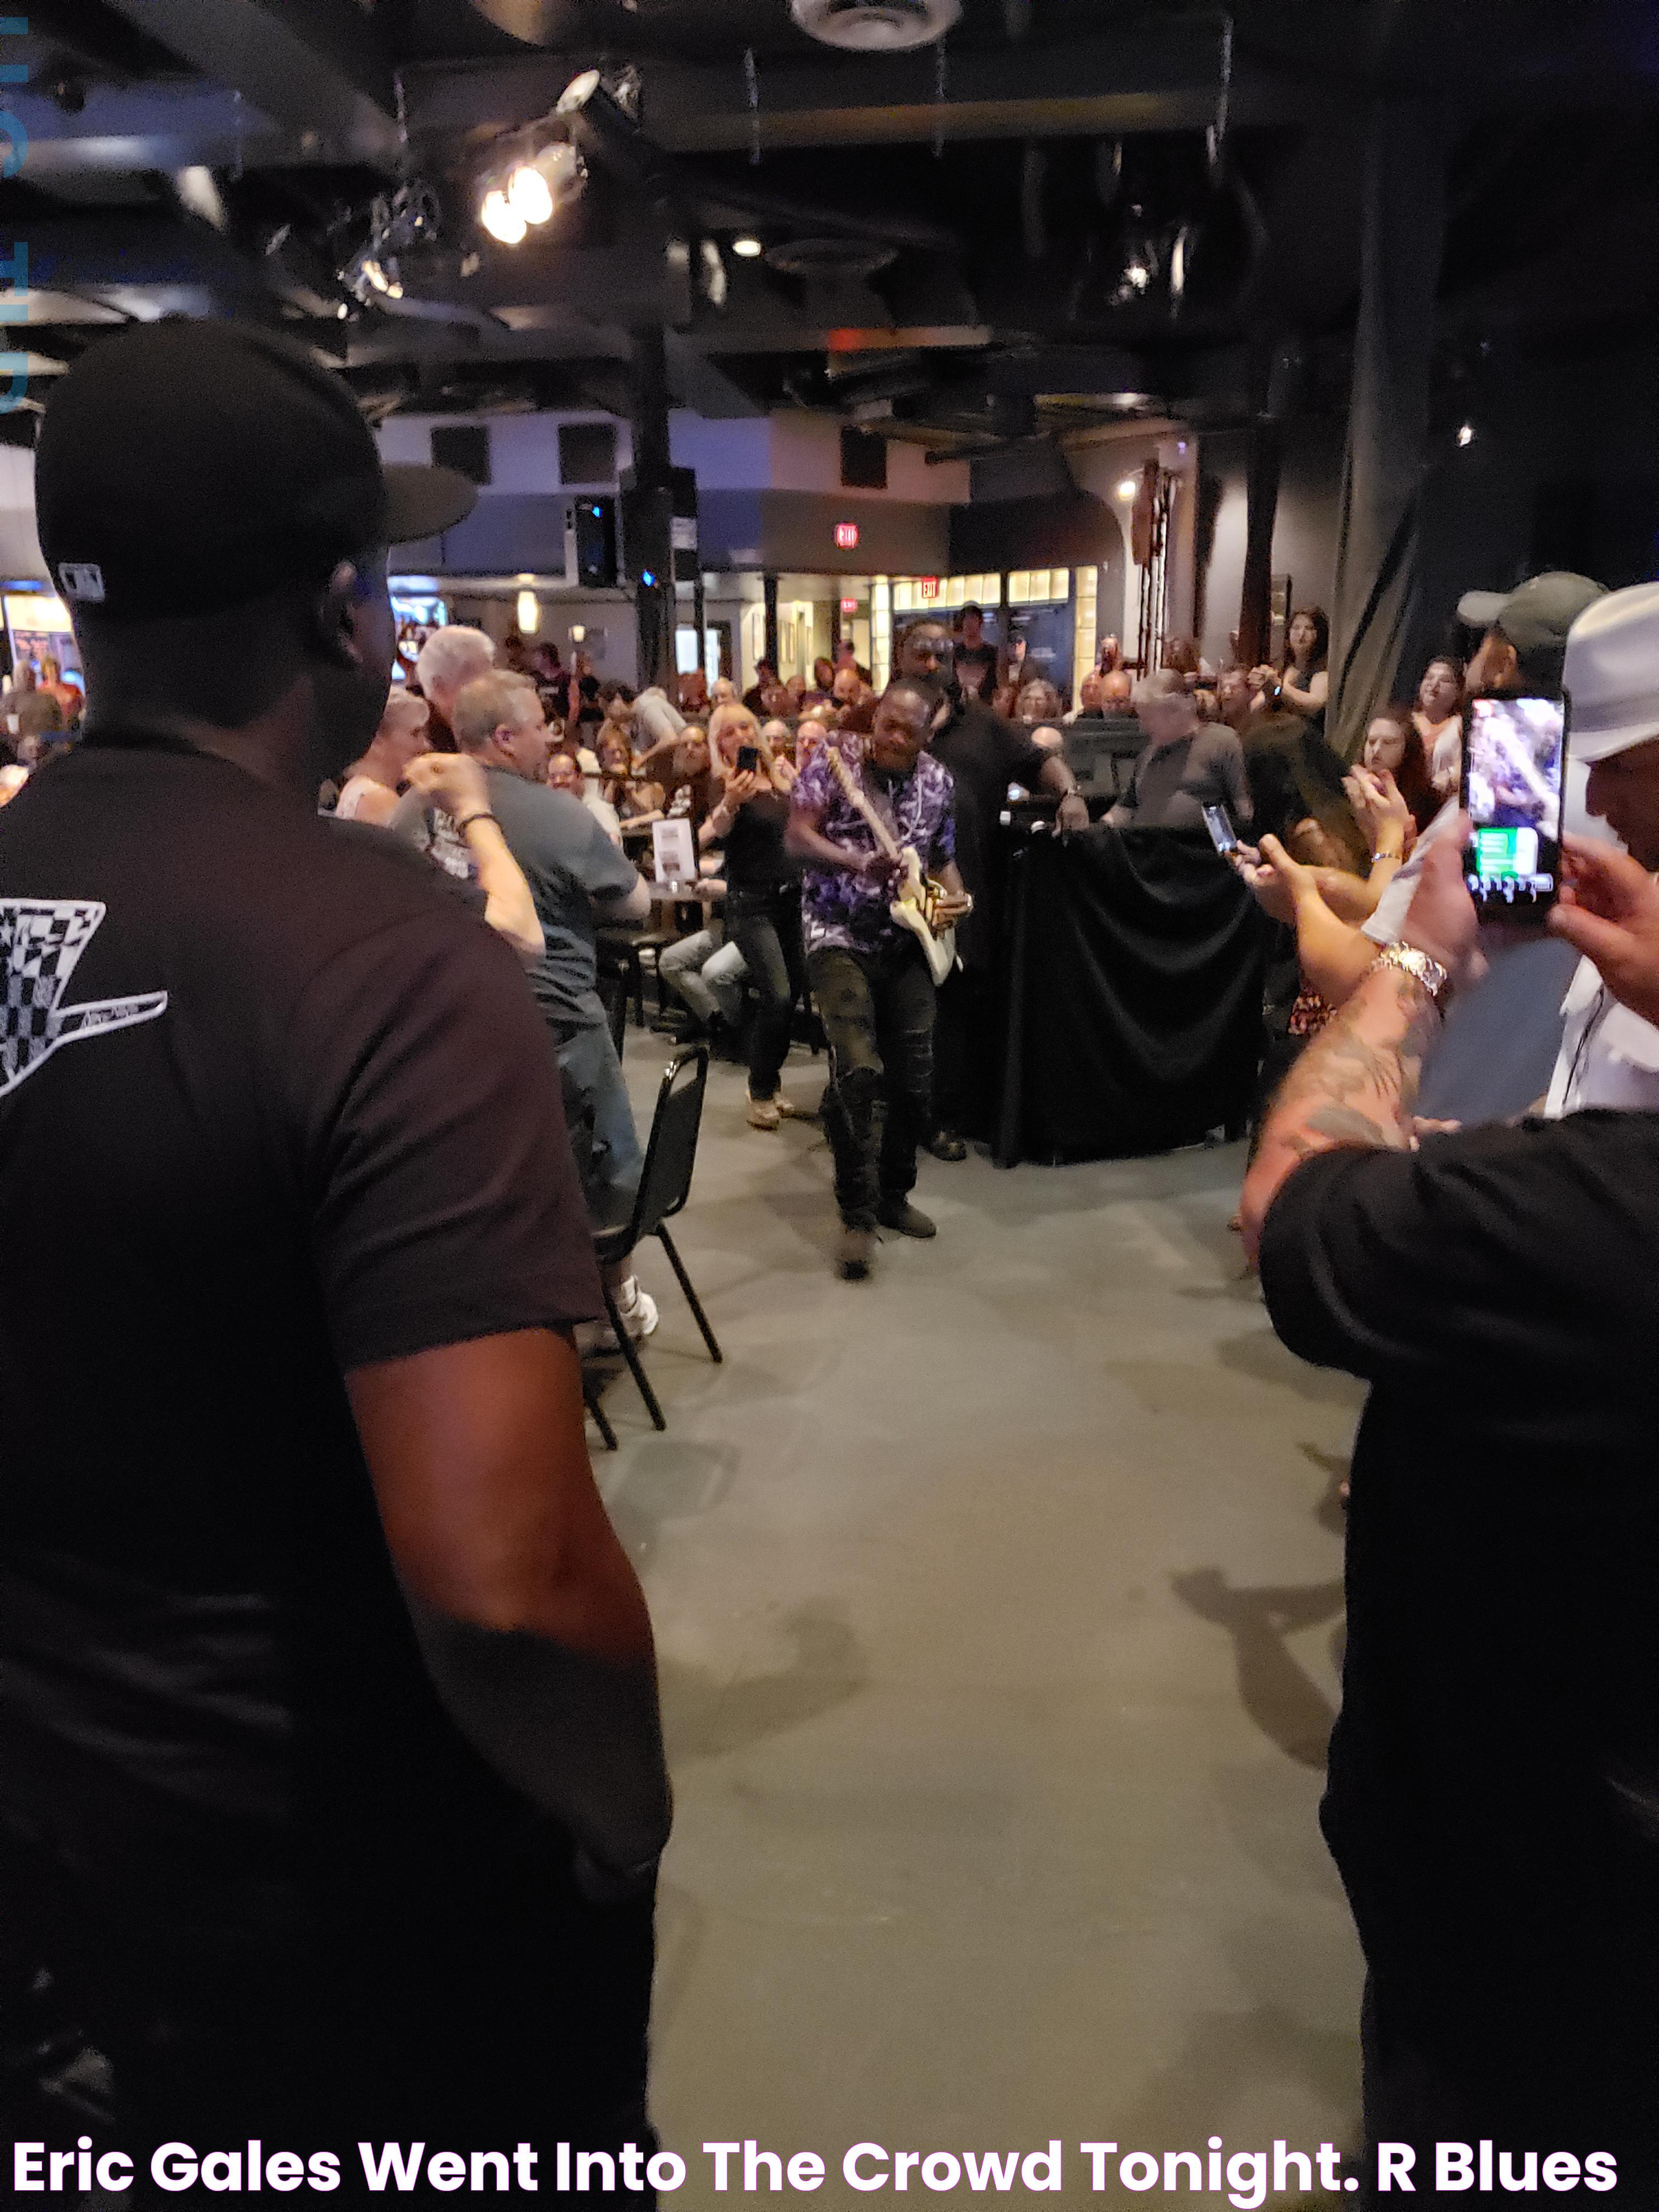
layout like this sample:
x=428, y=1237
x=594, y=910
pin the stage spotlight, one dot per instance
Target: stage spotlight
x=529, y=194
x=501, y=219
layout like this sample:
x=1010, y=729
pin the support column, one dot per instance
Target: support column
x=648, y=514
x=770, y=596
x=1260, y=506
x=1374, y=603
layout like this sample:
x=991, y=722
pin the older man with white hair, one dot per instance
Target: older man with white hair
x=577, y=878
x=1184, y=766
x=450, y=660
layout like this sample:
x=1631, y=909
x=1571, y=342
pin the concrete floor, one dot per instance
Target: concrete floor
x=998, y=1606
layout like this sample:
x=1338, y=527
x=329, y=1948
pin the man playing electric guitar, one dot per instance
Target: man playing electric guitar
x=869, y=971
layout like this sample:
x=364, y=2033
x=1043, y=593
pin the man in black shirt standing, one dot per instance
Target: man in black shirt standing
x=985, y=754
x=330, y=1776
x=975, y=658
x=1493, y=1792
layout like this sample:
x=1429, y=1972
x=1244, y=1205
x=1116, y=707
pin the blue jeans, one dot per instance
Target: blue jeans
x=706, y=975
x=600, y=1117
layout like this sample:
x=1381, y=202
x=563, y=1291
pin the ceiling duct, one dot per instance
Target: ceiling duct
x=829, y=260
x=835, y=276
x=876, y=27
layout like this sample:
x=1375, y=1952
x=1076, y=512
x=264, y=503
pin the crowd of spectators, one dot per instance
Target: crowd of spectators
x=328, y=1701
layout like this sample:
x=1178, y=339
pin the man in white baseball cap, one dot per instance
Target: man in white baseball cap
x=1609, y=1055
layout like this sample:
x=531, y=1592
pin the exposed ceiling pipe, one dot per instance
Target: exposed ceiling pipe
x=1109, y=170
x=1033, y=225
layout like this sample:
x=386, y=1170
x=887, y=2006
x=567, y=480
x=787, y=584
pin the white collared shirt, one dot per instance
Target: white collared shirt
x=1608, y=1057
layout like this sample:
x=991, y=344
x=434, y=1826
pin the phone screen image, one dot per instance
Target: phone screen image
x=1514, y=766
x=1223, y=835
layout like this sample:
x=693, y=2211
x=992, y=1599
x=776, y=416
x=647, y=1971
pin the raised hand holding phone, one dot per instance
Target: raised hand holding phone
x=1514, y=769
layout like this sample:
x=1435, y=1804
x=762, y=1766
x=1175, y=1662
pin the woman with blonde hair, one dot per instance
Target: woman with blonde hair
x=729, y=726
x=763, y=898
x=1038, y=707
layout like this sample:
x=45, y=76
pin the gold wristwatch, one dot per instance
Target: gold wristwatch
x=1435, y=979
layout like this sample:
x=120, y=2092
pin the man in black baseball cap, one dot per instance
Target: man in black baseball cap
x=195, y=470
x=330, y=1776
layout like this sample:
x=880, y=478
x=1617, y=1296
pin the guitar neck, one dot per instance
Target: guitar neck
x=859, y=798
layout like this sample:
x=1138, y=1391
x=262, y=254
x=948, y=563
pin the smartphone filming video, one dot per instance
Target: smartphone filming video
x=1223, y=835
x=1513, y=773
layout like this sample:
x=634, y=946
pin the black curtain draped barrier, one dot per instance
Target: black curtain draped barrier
x=1134, y=995
x=1375, y=613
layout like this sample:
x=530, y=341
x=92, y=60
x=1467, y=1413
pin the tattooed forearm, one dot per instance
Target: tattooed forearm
x=1356, y=1084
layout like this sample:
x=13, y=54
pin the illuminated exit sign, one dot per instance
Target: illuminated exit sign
x=847, y=536
x=927, y=588
x=849, y=606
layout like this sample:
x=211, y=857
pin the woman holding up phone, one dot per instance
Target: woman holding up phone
x=763, y=906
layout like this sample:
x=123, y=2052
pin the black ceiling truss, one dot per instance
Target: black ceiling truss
x=1082, y=233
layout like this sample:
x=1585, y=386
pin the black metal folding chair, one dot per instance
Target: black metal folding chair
x=671, y=1154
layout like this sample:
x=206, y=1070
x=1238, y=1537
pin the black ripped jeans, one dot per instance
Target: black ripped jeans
x=765, y=927
x=876, y=1009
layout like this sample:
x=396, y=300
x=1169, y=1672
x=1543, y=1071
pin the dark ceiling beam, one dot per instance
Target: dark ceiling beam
x=124, y=130
x=1135, y=80
x=315, y=65
x=147, y=265
x=145, y=127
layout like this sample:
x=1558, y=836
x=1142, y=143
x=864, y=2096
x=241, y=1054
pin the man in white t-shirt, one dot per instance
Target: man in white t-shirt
x=1609, y=1056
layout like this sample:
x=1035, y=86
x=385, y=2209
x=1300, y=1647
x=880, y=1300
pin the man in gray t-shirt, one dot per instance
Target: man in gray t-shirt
x=1185, y=766
x=576, y=876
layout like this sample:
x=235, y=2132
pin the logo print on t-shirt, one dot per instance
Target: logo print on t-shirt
x=40, y=942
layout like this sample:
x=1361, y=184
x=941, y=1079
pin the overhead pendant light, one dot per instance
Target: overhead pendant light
x=747, y=249
x=501, y=219
x=529, y=612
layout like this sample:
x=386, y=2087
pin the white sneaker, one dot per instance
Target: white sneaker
x=764, y=1113
x=638, y=1309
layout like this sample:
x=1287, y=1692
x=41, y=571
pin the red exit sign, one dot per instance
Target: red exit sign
x=847, y=536
x=927, y=588
x=849, y=606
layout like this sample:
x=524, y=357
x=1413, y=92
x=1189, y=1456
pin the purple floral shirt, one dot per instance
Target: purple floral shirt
x=852, y=911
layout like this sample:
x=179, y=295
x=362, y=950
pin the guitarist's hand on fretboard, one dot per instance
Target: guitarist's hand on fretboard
x=880, y=868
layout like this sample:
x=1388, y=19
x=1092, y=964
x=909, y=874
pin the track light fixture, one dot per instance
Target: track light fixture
x=500, y=218
x=535, y=175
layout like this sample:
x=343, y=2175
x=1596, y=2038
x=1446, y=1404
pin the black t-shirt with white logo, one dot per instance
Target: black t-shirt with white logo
x=273, y=1106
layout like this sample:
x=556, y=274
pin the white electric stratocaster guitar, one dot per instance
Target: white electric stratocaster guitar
x=916, y=905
